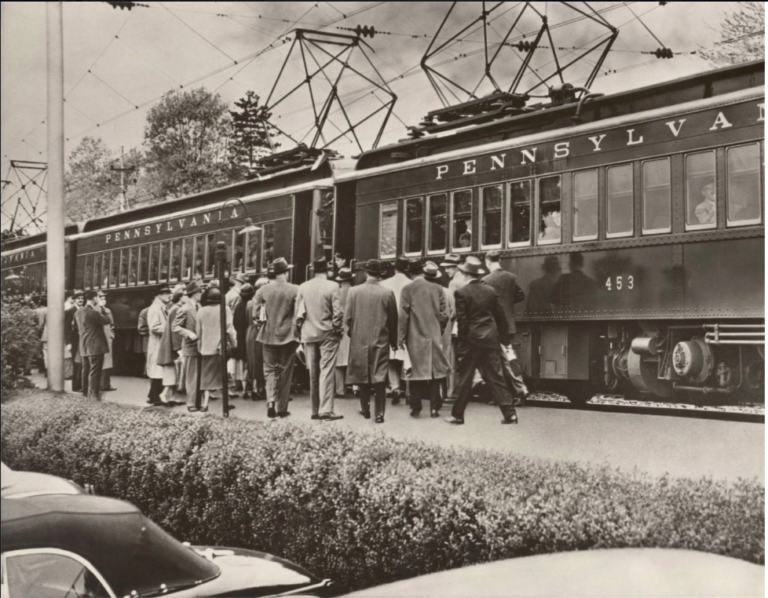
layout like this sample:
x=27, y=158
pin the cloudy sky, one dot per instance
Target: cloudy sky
x=118, y=62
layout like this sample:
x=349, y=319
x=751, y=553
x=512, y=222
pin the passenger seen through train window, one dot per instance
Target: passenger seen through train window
x=462, y=220
x=549, y=210
x=414, y=226
x=700, y=191
x=706, y=211
x=438, y=228
x=492, y=199
x=744, y=184
x=519, y=225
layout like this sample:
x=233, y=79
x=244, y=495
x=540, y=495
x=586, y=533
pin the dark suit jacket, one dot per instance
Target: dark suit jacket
x=480, y=316
x=90, y=324
x=185, y=324
x=505, y=284
x=70, y=331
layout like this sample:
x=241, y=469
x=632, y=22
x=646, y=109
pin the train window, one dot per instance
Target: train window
x=133, y=266
x=326, y=218
x=187, y=257
x=700, y=191
x=88, y=267
x=744, y=185
x=657, y=197
x=619, y=204
x=461, y=206
x=175, y=260
x=550, y=216
x=585, y=205
x=199, y=271
x=438, y=223
x=114, y=268
x=519, y=225
x=143, y=264
x=491, y=201
x=414, y=226
x=228, y=237
x=96, y=280
x=239, y=262
x=165, y=258
x=123, y=276
x=210, y=254
x=154, y=255
x=253, y=259
x=268, y=252
x=388, y=230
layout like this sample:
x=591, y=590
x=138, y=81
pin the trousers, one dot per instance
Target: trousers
x=91, y=375
x=421, y=389
x=192, y=372
x=488, y=361
x=77, y=376
x=393, y=375
x=341, y=380
x=379, y=389
x=106, y=379
x=321, y=362
x=278, y=370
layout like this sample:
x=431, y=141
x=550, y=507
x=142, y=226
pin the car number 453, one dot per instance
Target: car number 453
x=618, y=283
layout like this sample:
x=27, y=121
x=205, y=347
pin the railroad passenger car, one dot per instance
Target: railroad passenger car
x=634, y=222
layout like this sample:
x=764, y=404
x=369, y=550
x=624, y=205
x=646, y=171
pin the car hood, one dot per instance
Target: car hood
x=249, y=573
x=23, y=484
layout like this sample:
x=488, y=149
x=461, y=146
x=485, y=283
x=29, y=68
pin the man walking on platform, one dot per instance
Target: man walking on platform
x=279, y=336
x=185, y=324
x=396, y=358
x=90, y=322
x=371, y=319
x=320, y=319
x=157, y=316
x=451, y=264
x=423, y=316
x=510, y=293
x=482, y=326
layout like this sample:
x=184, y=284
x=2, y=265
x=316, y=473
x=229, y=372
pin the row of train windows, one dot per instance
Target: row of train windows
x=179, y=260
x=534, y=206
x=34, y=278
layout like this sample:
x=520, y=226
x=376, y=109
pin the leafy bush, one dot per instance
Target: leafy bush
x=366, y=509
x=20, y=343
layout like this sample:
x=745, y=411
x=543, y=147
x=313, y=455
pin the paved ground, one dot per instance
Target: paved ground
x=656, y=444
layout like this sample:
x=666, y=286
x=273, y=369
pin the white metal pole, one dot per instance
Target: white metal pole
x=55, y=248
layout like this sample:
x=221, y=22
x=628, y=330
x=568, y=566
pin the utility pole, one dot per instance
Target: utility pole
x=55, y=237
x=122, y=170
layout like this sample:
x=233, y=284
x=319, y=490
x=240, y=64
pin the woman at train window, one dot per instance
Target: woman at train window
x=209, y=343
x=705, y=212
x=550, y=225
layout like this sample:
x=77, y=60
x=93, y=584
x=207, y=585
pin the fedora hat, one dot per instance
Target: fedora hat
x=345, y=274
x=280, y=265
x=431, y=271
x=163, y=289
x=493, y=255
x=373, y=266
x=472, y=265
x=270, y=273
x=451, y=260
x=415, y=266
x=247, y=290
x=193, y=287
x=320, y=265
x=402, y=263
x=241, y=278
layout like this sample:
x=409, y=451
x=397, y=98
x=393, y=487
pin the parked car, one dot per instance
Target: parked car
x=24, y=484
x=97, y=547
x=625, y=572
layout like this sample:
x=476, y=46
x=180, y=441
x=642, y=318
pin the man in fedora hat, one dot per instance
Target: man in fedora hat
x=72, y=359
x=319, y=316
x=422, y=318
x=90, y=322
x=451, y=264
x=157, y=316
x=278, y=335
x=371, y=321
x=482, y=326
x=396, y=284
x=185, y=324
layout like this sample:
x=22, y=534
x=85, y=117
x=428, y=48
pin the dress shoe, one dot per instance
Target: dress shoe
x=396, y=397
x=203, y=409
x=454, y=420
x=153, y=403
x=283, y=413
x=435, y=413
x=212, y=398
x=415, y=413
x=271, y=411
x=379, y=419
x=247, y=395
x=330, y=416
x=231, y=407
x=365, y=414
x=192, y=409
x=314, y=416
x=108, y=389
x=512, y=419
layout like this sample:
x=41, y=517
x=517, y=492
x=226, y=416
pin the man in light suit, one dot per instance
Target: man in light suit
x=279, y=336
x=185, y=324
x=320, y=319
x=90, y=322
x=157, y=316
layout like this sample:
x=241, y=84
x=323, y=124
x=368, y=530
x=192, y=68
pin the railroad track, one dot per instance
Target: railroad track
x=614, y=404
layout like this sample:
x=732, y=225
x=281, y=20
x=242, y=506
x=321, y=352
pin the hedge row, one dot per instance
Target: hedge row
x=19, y=343
x=366, y=509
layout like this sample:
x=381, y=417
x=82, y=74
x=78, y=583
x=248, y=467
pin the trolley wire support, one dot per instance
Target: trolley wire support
x=542, y=48
x=25, y=182
x=326, y=59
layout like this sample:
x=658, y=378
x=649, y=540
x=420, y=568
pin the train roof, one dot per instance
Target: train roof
x=547, y=118
x=34, y=240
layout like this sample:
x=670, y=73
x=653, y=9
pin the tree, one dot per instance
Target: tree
x=742, y=35
x=252, y=132
x=89, y=188
x=186, y=139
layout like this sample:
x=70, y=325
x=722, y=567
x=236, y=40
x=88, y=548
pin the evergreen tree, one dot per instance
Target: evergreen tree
x=251, y=131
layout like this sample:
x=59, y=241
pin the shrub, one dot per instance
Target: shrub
x=367, y=509
x=20, y=343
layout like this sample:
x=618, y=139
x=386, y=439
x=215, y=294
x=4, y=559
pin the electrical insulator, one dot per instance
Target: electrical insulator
x=365, y=31
x=663, y=53
x=525, y=46
x=128, y=5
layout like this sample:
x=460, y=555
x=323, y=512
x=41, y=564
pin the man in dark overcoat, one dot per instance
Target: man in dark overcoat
x=371, y=322
x=423, y=316
x=90, y=322
x=482, y=326
x=185, y=324
x=72, y=340
x=279, y=336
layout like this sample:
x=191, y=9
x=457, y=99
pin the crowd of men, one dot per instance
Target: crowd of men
x=407, y=334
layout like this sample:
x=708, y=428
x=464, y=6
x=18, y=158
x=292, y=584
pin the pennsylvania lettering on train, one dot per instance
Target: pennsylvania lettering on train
x=24, y=256
x=636, y=135
x=168, y=226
